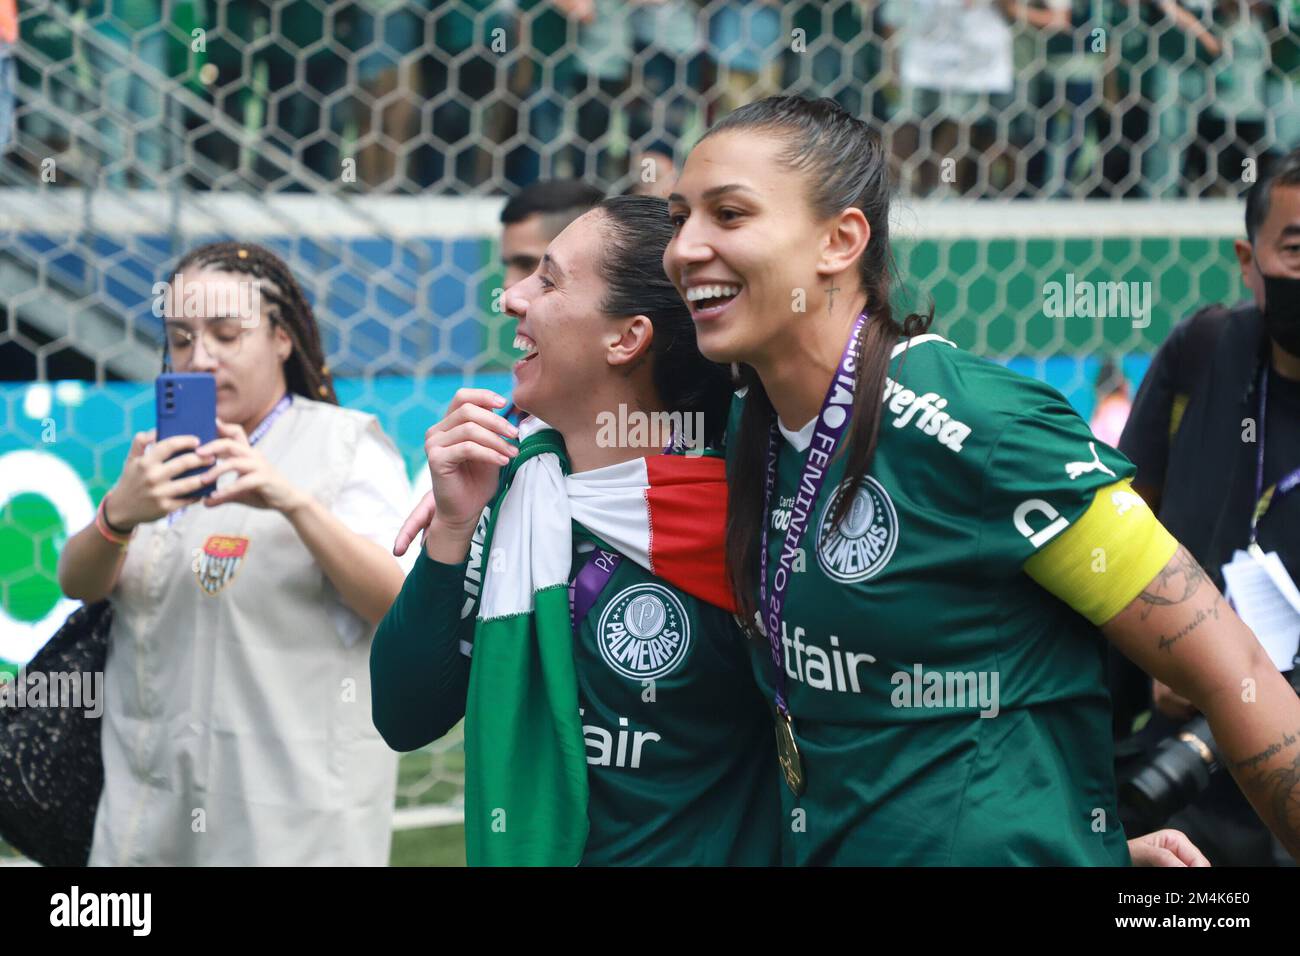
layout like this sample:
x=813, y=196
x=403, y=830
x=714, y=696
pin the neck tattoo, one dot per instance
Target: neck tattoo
x=830, y=298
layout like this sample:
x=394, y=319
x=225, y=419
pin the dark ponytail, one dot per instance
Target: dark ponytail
x=305, y=371
x=842, y=164
x=636, y=230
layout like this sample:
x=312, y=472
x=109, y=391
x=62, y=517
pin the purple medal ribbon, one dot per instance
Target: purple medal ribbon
x=591, y=580
x=1264, y=498
x=831, y=423
x=600, y=567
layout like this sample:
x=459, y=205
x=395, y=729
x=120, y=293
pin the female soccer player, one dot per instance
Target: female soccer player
x=927, y=540
x=236, y=730
x=626, y=728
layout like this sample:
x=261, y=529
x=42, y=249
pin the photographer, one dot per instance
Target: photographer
x=1215, y=434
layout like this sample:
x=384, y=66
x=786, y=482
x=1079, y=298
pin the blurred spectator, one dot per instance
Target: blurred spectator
x=8, y=70
x=840, y=53
x=951, y=61
x=48, y=35
x=126, y=50
x=745, y=44
x=1177, y=88
x=1283, y=87
x=976, y=97
x=1113, y=404
x=1127, y=126
x=670, y=51
x=460, y=88
x=275, y=89
x=653, y=175
x=641, y=56
x=1072, y=79
x=386, y=38
x=1233, y=126
x=538, y=79
x=229, y=85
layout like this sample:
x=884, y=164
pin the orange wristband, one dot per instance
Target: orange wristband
x=101, y=524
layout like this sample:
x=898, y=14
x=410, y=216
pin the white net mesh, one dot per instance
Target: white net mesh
x=370, y=142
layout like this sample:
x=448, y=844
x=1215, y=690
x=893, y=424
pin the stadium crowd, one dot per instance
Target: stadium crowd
x=1041, y=98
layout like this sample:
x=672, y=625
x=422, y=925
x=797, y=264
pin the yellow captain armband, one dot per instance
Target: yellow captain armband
x=1103, y=561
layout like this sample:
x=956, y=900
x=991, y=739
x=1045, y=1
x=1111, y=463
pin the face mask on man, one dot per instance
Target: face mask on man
x=1282, y=310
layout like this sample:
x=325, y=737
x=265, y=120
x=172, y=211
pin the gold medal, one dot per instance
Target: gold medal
x=787, y=754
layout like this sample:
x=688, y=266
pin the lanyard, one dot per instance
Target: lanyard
x=597, y=571
x=591, y=580
x=831, y=424
x=1264, y=497
x=265, y=425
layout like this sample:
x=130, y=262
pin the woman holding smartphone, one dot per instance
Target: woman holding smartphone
x=626, y=730
x=236, y=729
x=927, y=542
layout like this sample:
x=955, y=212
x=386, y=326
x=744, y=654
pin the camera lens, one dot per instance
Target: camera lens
x=1181, y=769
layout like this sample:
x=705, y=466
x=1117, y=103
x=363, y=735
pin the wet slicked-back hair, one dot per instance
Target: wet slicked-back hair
x=636, y=230
x=305, y=371
x=841, y=163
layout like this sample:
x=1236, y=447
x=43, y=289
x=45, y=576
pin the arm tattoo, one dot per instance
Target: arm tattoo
x=1177, y=583
x=1280, y=790
x=1254, y=760
x=1167, y=641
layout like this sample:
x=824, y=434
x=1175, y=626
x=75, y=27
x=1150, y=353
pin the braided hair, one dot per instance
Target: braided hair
x=305, y=371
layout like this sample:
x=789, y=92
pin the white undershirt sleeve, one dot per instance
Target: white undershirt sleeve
x=373, y=502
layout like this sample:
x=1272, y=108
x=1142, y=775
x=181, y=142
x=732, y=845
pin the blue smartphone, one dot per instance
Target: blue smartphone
x=186, y=404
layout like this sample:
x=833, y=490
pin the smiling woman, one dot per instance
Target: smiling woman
x=956, y=514
x=235, y=731
x=626, y=730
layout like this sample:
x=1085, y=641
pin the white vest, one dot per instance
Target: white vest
x=237, y=727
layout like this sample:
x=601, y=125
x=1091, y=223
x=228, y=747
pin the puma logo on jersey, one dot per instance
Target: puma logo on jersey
x=1124, y=501
x=474, y=568
x=1076, y=468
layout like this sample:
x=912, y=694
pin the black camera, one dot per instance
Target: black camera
x=1177, y=773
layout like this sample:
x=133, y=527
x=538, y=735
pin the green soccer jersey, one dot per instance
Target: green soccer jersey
x=680, y=754
x=949, y=710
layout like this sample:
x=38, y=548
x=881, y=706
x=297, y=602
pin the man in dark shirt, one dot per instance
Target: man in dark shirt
x=1222, y=395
